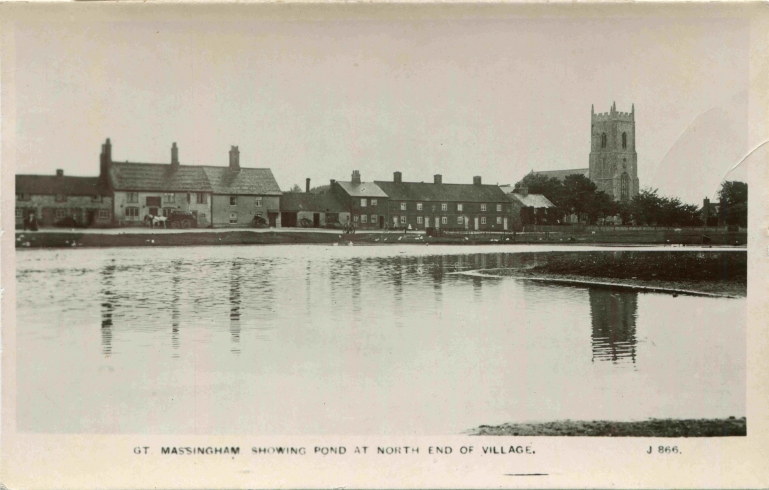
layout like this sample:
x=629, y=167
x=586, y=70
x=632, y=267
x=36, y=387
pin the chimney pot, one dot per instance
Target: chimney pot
x=438, y=179
x=356, y=177
x=307, y=186
x=332, y=181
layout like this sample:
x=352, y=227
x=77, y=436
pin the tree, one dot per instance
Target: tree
x=734, y=202
x=296, y=188
x=578, y=194
x=646, y=207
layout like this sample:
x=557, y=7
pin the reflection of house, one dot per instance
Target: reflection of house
x=613, y=315
x=53, y=198
x=364, y=201
x=446, y=206
x=218, y=196
x=530, y=209
x=313, y=210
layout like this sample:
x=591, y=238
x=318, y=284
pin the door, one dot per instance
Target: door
x=273, y=219
x=437, y=223
x=381, y=221
x=476, y=223
x=153, y=211
x=395, y=221
x=316, y=220
x=505, y=223
x=427, y=222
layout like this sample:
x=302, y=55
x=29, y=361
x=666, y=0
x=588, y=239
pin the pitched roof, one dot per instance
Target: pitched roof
x=310, y=201
x=561, y=174
x=52, y=185
x=531, y=200
x=364, y=189
x=245, y=181
x=419, y=191
x=158, y=177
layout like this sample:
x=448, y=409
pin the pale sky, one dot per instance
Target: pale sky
x=318, y=97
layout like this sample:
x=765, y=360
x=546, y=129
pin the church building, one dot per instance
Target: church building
x=613, y=164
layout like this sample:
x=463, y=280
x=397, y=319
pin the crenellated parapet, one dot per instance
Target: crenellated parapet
x=613, y=114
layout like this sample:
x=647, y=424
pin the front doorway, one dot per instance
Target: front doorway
x=395, y=221
x=273, y=219
x=381, y=221
x=427, y=222
x=476, y=223
x=316, y=220
x=505, y=223
x=153, y=211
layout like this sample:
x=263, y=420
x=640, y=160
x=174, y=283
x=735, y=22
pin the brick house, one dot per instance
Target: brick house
x=364, y=202
x=530, y=209
x=316, y=210
x=423, y=205
x=51, y=198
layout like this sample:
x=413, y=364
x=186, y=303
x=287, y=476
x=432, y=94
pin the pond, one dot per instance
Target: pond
x=300, y=340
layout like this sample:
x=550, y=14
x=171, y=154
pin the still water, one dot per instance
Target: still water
x=353, y=340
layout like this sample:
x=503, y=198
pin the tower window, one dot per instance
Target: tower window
x=624, y=140
x=625, y=187
x=603, y=140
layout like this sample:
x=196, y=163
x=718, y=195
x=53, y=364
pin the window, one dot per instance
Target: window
x=373, y=202
x=483, y=220
x=233, y=218
x=258, y=202
x=61, y=198
x=363, y=203
x=233, y=200
x=419, y=220
x=499, y=220
x=373, y=218
x=403, y=220
x=364, y=218
x=355, y=218
x=459, y=207
x=60, y=213
x=22, y=197
x=131, y=213
x=167, y=212
x=459, y=220
x=104, y=214
x=19, y=213
x=624, y=140
x=499, y=207
x=419, y=206
x=483, y=207
x=444, y=207
x=201, y=198
x=132, y=197
x=169, y=197
x=444, y=220
x=403, y=206
x=603, y=140
x=153, y=201
x=625, y=187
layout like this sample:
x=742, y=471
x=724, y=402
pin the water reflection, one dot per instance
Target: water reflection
x=613, y=314
x=235, y=306
x=109, y=300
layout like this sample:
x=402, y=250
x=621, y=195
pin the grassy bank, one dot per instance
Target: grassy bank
x=724, y=273
x=648, y=428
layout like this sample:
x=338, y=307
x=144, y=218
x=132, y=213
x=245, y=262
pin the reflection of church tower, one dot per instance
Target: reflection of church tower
x=613, y=159
x=613, y=316
x=235, y=280
x=109, y=299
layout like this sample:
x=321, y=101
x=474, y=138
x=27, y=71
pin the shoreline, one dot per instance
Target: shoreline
x=721, y=427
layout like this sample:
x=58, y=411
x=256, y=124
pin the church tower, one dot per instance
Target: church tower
x=613, y=159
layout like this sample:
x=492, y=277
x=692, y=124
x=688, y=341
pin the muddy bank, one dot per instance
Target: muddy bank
x=722, y=273
x=648, y=428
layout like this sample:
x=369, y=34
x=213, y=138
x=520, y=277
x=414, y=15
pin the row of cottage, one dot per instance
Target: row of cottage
x=126, y=193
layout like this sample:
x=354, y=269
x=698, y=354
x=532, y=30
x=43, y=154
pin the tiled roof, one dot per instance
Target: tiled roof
x=309, y=201
x=364, y=189
x=418, y=191
x=52, y=185
x=561, y=174
x=157, y=177
x=531, y=200
x=245, y=181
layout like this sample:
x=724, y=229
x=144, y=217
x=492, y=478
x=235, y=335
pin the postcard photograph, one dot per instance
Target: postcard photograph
x=490, y=223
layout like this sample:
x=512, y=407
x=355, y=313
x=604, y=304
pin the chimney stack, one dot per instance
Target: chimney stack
x=307, y=186
x=174, y=157
x=332, y=182
x=524, y=190
x=397, y=177
x=356, y=177
x=105, y=159
x=234, y=159
x=438, y=179
x=59, y=172
x=477, y=180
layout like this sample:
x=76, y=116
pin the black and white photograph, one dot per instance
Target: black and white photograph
x=499, y=226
